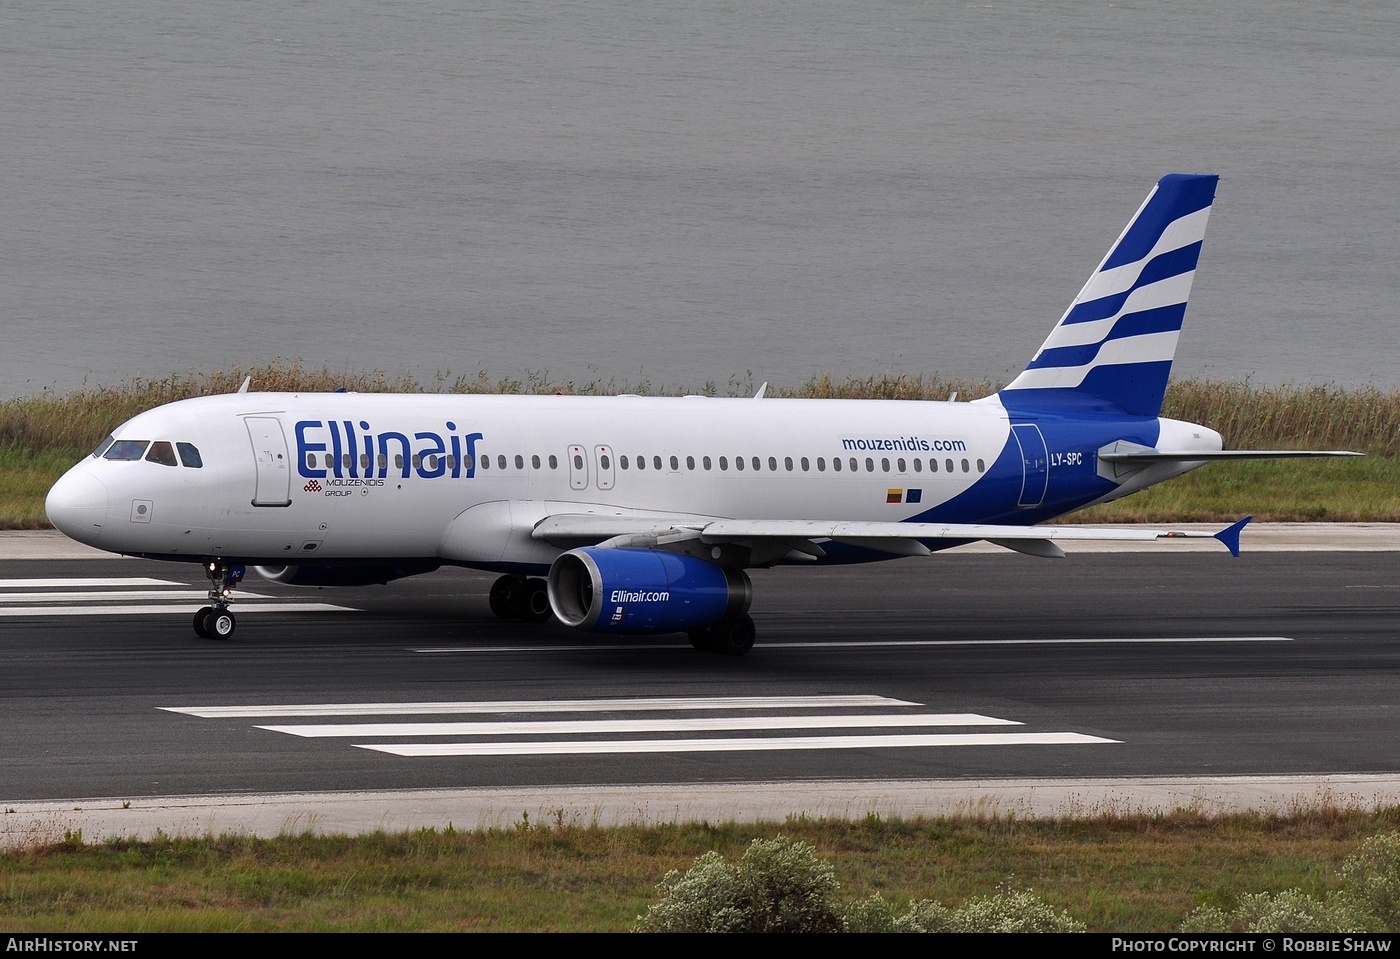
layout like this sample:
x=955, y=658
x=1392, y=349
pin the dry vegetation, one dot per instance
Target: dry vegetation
x=1363, y=419
x=41, y=434
x=1114, y=872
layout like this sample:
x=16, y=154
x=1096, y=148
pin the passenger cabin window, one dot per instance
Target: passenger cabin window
x=189, y=455
x=163, y=453
x=126, y=450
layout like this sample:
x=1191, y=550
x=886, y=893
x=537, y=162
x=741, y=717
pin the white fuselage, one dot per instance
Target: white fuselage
x=297, y=478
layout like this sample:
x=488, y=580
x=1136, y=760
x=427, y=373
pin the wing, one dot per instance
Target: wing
x=771, y=540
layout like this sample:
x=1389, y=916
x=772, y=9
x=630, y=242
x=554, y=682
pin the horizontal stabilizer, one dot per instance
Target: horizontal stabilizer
x=1146, y=455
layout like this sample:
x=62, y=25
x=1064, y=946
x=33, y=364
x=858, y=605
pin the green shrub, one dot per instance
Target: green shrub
x=1372, y=880
x=1006, y=911
x=778, y=886
x=1369, y=900
x=1289, y=911
x=781, y=886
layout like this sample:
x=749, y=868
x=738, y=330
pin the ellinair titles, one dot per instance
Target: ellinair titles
x=348, y=450
x=633, y=514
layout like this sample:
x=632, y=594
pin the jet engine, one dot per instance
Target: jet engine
x=628, y=590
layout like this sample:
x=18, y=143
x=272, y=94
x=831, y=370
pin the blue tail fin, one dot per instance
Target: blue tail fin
x=1116, y=342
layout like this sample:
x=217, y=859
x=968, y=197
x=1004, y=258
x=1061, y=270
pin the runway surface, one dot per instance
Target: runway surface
x=957, y=682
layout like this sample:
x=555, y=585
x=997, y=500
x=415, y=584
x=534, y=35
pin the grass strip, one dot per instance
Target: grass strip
x=1119, y=873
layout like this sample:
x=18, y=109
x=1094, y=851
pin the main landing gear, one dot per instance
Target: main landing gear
x=514, y=596
x=215, y=621
x=729, y=637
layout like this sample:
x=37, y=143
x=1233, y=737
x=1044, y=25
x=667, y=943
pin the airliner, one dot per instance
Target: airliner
x=635, y=515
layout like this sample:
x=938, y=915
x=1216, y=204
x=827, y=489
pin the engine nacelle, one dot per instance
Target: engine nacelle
x=342, y=575
x=608, y=590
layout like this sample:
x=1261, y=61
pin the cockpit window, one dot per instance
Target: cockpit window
x=126, y=449
x=189, y=455
x=163, y=453
x=102, y=447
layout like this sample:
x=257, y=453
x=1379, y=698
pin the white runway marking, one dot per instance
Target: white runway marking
x=174, y=595
x=100, y=596
x=484, y=737
x=1084, y=641
x=15, y=611
x=539, y=706
x=708, y=724
x=75, y=583
x=863, y=644
x=581, y=747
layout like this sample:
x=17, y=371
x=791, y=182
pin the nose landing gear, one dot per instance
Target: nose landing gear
x=215, y=621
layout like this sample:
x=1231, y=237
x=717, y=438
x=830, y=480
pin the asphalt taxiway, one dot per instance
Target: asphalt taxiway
x=971, y=680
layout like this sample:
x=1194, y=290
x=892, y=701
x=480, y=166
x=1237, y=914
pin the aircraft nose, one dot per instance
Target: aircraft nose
x=77, y=505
